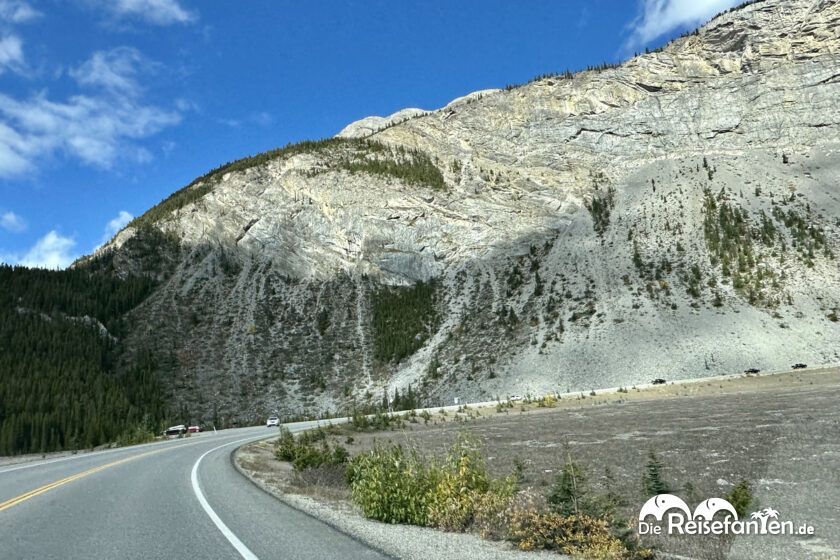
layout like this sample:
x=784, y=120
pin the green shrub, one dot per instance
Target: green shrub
x=136, y=435
x=391, y=485
x=740, y=497
x=303, y=454
x=378, y=421
x=518, y=470
x=395, y=485
x=462, y=480
x=285, y=445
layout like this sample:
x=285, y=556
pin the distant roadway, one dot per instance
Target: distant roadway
x=176, y=499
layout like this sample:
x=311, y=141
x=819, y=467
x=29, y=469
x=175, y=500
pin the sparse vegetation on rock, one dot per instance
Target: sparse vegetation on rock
x=403, y=318
x=600, y=207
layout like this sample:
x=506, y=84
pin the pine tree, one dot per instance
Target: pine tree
x=569, y=494
x=652, y=480
x=58, y=387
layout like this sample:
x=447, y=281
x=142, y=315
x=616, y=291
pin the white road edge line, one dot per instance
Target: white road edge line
x=240, y=547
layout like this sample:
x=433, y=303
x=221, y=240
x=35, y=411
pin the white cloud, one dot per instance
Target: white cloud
x=51, y=251
x=262, y=118
x=157, y=12
x=17, y=11
x=232, y=123
x=259, y=118
x=13, y=12
x=115, y=70
x=114, y=226
x=658, y=17
x=185, y=105
x=12, y=222
x=55, y=250
x=98, y=128
x=11, y=53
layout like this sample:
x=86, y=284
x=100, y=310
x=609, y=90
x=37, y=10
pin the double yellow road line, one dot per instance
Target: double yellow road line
x=47, y=487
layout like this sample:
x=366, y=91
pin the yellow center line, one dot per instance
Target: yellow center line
x=47, y=487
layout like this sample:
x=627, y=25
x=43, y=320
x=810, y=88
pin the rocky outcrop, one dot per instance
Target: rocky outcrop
x=370, y=125
x=675, y=216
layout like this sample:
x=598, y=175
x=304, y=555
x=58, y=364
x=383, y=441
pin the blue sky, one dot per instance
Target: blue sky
x=108, y=106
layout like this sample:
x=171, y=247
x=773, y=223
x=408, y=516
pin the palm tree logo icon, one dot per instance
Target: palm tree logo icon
x=771, y=513
x=764, y=515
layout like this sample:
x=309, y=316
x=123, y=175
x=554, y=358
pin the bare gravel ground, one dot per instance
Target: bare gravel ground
x=781, y=433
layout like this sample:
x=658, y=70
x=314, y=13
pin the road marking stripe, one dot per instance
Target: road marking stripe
x=55, y=484
x=50, y=462
x=47, y=487
x=88, y=455
x=240, y=547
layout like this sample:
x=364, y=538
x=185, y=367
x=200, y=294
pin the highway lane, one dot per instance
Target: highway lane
x=141, y=502
x=35, y=474
x=145, y=502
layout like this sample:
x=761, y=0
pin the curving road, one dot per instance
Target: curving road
x=168, y=500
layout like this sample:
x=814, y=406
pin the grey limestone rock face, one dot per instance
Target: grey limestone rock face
x=675, y=216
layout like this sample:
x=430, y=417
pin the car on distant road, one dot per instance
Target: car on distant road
x=658, y=381
x=798, y=366
x=194, y=429
x=272, y=421
x=515, y=398
x=752, y=370
x=178, y=430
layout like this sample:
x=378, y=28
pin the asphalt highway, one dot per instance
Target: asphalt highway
x=176, y=499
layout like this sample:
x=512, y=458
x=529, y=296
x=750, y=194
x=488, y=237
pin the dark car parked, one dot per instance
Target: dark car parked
x=175, y=430
x=752, y=370
x=798, y=366
x=658, y=381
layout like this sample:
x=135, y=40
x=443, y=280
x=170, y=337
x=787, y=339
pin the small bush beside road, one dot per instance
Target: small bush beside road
x=303, y=453
x=395, y=484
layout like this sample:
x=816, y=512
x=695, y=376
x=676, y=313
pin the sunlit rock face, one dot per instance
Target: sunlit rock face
x=676, y=216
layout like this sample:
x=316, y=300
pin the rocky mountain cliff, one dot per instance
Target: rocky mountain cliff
x=675, y=216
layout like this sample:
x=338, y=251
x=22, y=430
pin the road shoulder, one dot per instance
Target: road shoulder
x=256, y=462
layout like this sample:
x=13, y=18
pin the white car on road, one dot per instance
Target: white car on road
x=272, y=421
